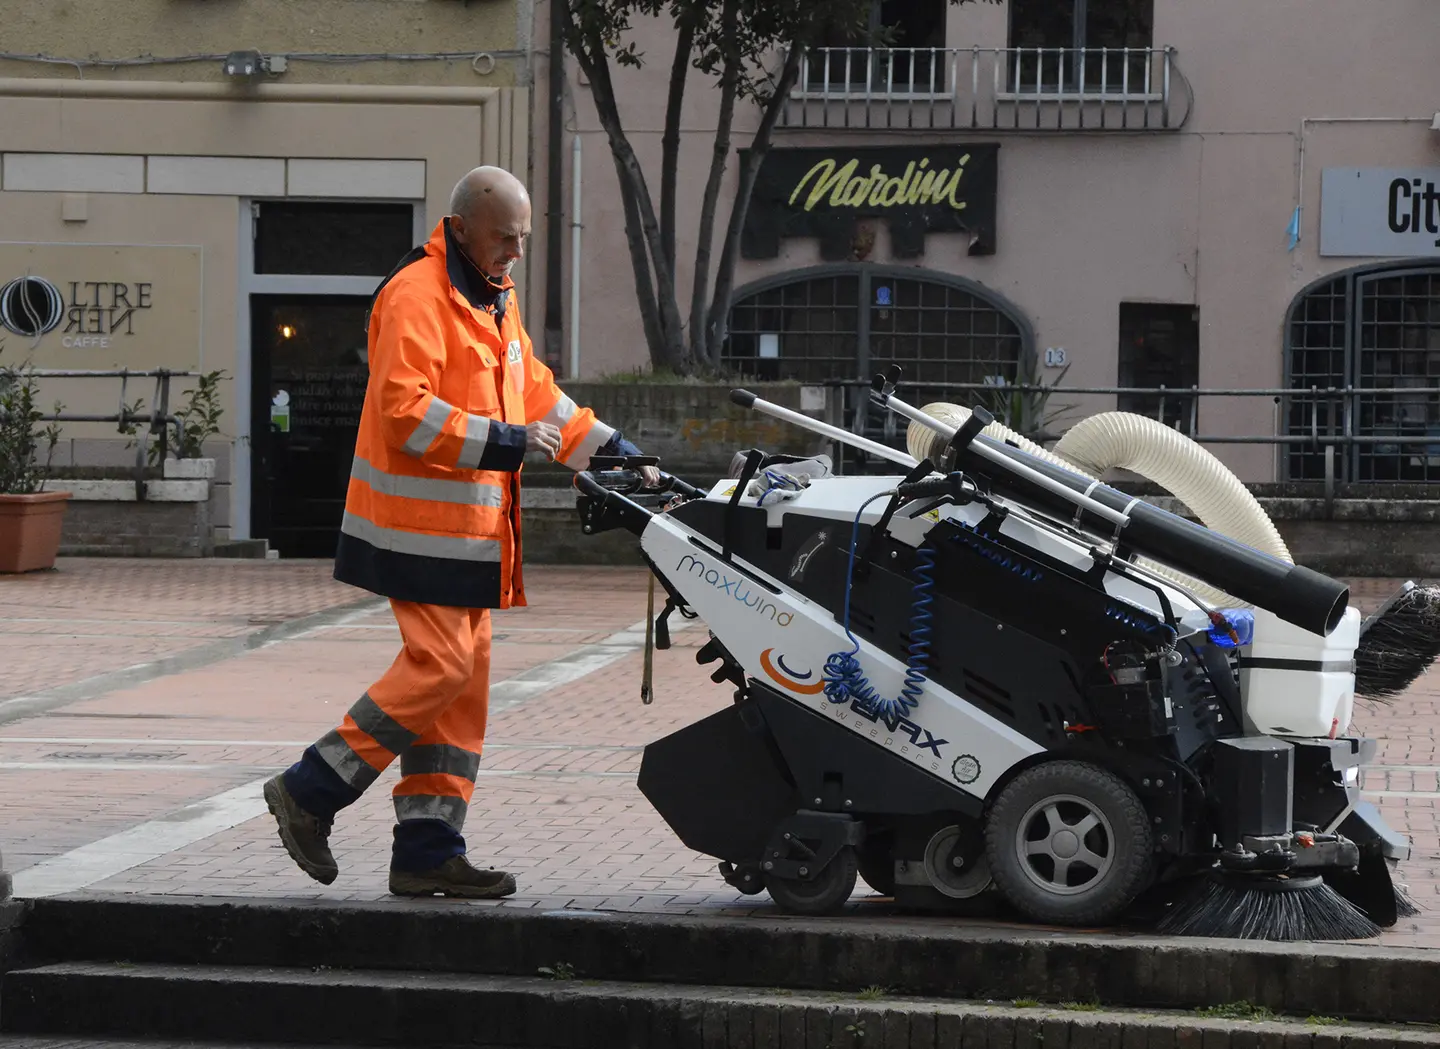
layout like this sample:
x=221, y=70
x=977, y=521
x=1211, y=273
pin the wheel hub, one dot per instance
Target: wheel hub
x=1065, y=845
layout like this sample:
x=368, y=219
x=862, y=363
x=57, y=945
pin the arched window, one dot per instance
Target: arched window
x=1371, y=329
x=850, y=321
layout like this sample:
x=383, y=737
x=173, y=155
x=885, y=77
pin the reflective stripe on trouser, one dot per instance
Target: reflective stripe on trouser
x=429, y=710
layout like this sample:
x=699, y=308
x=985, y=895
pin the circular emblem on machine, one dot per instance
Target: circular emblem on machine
x=966, y=768
x=31, y=306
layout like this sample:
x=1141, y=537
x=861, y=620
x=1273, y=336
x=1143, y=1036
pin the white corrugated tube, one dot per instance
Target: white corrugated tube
x=1121, y=440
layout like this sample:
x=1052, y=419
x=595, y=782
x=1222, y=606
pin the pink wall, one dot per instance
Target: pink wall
x=1086, y=221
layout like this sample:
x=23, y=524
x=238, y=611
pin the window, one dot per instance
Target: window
x=1374, y=330
x=849, y=322
x=914, y=63
x=1159, y=346
x=358, y=240
x=1059, y=43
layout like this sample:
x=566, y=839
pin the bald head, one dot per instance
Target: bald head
x=490, y=216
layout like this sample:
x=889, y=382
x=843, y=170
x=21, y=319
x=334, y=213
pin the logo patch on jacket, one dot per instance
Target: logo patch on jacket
x=513, y=351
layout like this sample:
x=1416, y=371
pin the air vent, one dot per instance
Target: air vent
x=989, y=692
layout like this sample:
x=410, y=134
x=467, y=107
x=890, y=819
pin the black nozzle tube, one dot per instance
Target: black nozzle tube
x=1296, y=594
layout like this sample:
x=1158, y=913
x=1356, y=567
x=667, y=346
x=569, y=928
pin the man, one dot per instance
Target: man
x=456, y=399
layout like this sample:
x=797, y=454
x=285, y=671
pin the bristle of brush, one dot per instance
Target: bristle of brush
x=1399, y=645
x=1405, y=906
x=1268, y=909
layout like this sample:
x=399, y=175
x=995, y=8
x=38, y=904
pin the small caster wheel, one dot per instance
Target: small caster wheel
x=822, y=894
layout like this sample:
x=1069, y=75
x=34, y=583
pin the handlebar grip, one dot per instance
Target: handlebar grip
x=744, y=398
x=928, y=486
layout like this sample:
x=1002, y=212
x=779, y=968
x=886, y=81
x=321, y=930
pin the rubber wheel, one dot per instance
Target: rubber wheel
x=1069, y=844
x=823, y=894
x=877, y=864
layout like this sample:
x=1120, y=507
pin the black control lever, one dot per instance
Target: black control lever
x=979, y=419
x=884, y=383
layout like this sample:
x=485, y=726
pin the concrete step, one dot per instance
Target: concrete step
x=926, y=956
x=382, y=1008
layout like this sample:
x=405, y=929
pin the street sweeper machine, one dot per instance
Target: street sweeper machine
x=989, y=682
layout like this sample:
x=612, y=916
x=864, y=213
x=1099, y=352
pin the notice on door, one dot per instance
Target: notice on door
x=1380, y=212
x=92, y=306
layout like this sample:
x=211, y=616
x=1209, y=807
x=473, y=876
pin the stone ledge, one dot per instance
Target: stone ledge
x=943, y=958
x=188, y=491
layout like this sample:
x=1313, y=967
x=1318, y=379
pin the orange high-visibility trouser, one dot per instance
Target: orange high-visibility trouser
x=429, y=710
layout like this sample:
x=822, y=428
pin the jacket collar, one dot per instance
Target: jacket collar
x=472, y=286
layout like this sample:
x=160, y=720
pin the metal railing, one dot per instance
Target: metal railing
x=159, y=417
x=990, y=88
x=1326, y=422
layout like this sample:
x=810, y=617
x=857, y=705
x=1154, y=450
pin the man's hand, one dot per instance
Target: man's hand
x=651, y=474
x=543, y=437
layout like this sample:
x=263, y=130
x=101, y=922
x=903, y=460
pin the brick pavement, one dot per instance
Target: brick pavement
x=556, y=801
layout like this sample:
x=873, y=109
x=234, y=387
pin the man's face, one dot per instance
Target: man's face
x=494, y=236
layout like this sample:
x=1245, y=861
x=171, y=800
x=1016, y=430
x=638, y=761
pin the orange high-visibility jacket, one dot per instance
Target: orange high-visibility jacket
x=432, y=514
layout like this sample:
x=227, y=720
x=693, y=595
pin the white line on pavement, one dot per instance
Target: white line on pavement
x=93, y=863
x=567, y=668
x=110, y=856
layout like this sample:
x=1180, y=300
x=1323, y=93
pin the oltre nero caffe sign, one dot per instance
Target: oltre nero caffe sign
x=1380, y=212
x=85, y=313
x=917, y=190
x=102, y=305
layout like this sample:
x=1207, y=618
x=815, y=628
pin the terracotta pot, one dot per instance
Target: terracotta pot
x=30, y=530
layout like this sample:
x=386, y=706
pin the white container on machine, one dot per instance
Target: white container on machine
x=1295, y=683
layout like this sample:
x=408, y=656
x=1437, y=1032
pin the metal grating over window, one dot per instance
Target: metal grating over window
x=807, y=330
x=1318, y=342
x=1370, y=331
x=1399, y=348
x=939, y=334
x=850, y=323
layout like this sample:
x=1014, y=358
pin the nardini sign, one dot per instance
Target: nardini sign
x=1380, y=212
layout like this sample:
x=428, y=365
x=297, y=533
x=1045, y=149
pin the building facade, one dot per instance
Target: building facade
x=220, y=186
x=1146, y=192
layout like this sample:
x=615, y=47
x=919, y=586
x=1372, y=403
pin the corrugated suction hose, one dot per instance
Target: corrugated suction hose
x=1122, y=440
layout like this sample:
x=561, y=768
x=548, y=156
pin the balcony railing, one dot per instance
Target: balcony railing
x=1000, y=89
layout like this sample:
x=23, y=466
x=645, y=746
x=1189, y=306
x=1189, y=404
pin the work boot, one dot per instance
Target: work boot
x=306, y=837
x=454, y=877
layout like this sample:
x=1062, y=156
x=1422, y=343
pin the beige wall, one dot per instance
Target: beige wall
x=423, y=141
x=121, y=29
x=1086, y=221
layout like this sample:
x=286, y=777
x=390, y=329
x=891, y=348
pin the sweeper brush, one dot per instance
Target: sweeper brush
x=990, y=683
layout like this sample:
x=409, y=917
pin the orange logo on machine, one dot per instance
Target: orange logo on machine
x=783, y=675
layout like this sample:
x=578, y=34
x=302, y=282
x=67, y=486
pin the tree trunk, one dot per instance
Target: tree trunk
x=715, y=329
x=646, y=252
x=700, y=349
x=670, y=142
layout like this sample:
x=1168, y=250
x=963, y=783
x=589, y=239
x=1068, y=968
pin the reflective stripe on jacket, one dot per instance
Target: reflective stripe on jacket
x=432, y=511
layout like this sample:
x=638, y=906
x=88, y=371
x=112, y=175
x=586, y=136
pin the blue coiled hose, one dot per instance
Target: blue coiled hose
x=845, y=679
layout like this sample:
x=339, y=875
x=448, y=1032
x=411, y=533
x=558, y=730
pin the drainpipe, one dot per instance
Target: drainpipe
x=554, y=316
x=575, y=259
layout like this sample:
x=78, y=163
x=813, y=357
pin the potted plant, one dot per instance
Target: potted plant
x=30, y=517
x=199, y=421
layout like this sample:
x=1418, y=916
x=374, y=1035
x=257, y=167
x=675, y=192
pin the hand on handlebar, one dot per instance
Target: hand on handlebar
x=650, y=475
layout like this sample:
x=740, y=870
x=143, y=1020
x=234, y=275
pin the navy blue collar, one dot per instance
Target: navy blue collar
x=478, y=290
